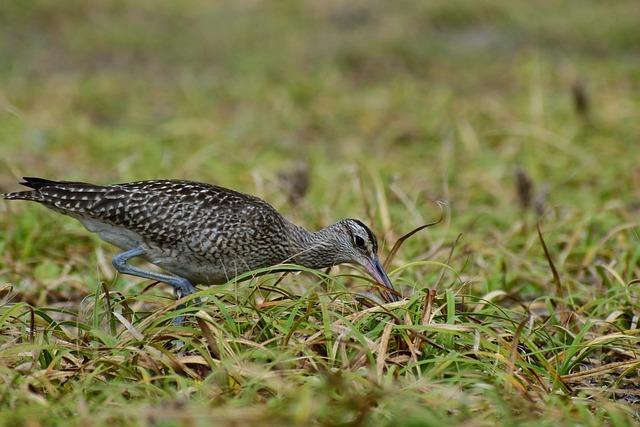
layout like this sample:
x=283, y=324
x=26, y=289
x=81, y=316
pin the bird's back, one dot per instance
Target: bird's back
x=183, y=224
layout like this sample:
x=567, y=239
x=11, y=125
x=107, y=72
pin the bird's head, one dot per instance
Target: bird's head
x=358, y=245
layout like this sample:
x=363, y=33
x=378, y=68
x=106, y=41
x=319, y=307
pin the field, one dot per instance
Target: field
x=512, y=125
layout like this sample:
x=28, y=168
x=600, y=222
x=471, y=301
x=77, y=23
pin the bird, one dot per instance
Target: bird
x=202, y=234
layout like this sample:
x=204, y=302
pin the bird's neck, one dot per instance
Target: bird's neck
x=316, y=249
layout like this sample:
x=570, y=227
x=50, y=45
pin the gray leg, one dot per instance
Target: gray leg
x=181, y=286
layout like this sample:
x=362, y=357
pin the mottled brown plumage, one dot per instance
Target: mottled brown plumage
x=202, y=233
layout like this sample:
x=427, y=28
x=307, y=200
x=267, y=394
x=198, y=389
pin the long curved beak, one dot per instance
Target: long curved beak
x=377, y=272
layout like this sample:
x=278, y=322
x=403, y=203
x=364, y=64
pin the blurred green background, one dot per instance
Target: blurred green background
x=382, y=108
x=509, y=111
x=447, y=97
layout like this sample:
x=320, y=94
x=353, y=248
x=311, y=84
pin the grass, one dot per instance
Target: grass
x=505, y=115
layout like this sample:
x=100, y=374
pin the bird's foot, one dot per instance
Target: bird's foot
x=183, y=288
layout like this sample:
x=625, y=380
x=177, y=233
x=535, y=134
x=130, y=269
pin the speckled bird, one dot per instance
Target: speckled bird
x=202, y=233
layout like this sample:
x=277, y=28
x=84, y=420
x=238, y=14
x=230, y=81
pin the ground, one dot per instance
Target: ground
x=517, y=122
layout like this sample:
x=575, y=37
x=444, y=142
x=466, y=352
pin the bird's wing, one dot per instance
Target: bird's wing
x=162, y=211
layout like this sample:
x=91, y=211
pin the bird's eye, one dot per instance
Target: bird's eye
x=359, y=241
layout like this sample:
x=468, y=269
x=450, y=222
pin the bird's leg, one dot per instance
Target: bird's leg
x=181, y=286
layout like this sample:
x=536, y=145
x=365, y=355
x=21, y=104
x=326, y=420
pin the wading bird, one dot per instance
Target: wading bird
x=202, y=233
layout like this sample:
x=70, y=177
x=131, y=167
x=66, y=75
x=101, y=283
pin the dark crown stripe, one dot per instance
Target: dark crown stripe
x=372, y=237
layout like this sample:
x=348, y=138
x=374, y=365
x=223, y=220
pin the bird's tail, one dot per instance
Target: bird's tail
x=37, y=183
x=21, y=195
x=34, y=195
x=63, y=196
